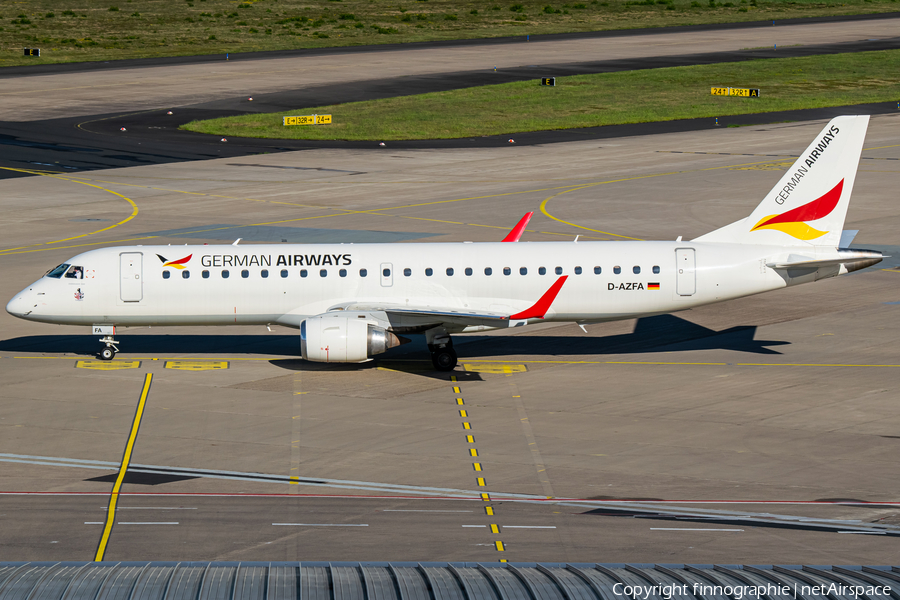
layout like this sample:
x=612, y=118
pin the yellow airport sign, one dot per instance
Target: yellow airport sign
x=196, y=365
x=494, y=368
x=307, y=120
x=730, y=91
x=107, y=365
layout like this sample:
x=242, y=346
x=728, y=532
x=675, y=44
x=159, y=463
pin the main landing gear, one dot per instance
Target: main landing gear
x=443, y=356
x=109, y=352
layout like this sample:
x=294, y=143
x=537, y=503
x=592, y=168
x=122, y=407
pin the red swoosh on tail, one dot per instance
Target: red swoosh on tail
x=811, y=211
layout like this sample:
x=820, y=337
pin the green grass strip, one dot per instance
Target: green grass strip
x=592, y=100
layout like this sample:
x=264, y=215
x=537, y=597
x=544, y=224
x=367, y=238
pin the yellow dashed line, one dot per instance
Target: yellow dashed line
x=456, y=390
x=467, y=426
x=489, y=511
x=470, y=439
x=481, y=482
x=476, y=466
x=463, y=413
x=486, y=497
x=494, y=528
x=499, y=545
x=460, y=401
x=473, y=452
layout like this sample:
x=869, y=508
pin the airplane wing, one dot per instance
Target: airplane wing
x=406, y=316
x=519, y=229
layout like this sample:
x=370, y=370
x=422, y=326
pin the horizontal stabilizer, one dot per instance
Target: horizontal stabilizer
x=847, y=237
x=853, y=260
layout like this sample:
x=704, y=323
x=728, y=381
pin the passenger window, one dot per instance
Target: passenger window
x=469, y=271
x=597, y=270
x=428, y=272
x=245, y=273
x=323, y=272
x=449, y=271
x=75, y=273
x=166, y=274
x=205, y=274
x=386, y=273
x=523, y=271
x=185, y=274
x=656, y=269
x=342, y=272
x=363, y=272
x=637, y=270
x=407, y=272
x=488, y=271
x=558, y=270
x=542, y=270
x=225, y=273
x=617, y=269
x=578, y=270
x=303, y=273
x=264, y=273
x=284, y=273
x=507, y=270
x=57, y=272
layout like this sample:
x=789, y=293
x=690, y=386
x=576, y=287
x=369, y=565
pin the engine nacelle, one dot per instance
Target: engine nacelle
x=337, y=338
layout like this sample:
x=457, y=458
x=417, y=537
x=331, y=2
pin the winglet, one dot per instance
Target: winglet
x=519, y=229
x=540, y=308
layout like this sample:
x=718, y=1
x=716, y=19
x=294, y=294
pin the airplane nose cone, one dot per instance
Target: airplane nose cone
x=18, y=306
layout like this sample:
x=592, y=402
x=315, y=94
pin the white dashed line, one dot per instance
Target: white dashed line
x=324, y=524
x=688, y=529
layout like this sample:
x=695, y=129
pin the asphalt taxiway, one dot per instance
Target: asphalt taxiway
x=751, y=431
x=759, y=430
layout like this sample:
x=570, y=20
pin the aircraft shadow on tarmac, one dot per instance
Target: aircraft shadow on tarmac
x=664, y=333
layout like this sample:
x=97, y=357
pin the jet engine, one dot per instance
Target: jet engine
x=339, y=338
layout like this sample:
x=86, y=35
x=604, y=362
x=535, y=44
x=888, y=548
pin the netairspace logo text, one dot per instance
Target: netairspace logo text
x=668, y=592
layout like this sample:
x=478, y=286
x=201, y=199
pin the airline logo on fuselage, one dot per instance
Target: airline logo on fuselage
x=178, y=264
x=282, y=260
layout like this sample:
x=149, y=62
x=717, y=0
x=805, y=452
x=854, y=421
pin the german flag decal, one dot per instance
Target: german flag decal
x=652, y=286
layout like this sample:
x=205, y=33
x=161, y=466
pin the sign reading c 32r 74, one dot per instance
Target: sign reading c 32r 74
x=308, y=120
x=730, y=91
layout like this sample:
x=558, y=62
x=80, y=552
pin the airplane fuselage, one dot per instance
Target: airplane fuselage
x=283, y=284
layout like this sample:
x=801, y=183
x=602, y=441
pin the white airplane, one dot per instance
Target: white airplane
x=352, y=301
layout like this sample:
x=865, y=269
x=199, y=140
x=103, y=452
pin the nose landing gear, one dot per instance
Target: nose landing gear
x=109, y=352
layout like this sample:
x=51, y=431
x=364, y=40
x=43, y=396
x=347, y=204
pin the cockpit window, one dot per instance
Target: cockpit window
x=57, y=272
x=75, y=273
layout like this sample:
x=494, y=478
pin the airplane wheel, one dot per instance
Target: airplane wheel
x=107, y=353
x=444, y=359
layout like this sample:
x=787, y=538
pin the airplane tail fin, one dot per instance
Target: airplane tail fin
x=809, y=204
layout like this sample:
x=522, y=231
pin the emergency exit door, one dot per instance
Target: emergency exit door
x=685, y=272
x=131, y=285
